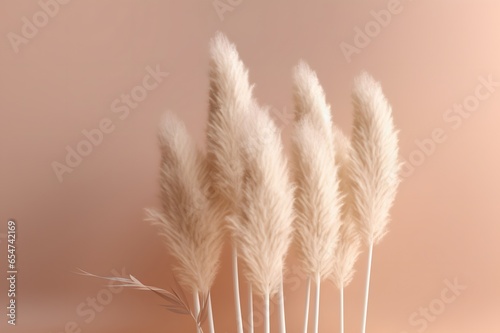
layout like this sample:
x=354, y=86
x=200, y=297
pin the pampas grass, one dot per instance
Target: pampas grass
x=318, y=202
x=189, y=221
x=263, y=234
x=348, y=249
x=375, y=166
x=176, y=299
x=336, y=194
x=230, y=100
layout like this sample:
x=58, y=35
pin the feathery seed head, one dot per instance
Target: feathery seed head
x=189, y=222
x=375, y=165
x=264, y=232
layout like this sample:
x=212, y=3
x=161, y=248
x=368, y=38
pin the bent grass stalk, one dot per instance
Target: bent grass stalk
x=176, y=298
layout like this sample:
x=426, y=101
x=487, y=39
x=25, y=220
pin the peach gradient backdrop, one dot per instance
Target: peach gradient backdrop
x=446, y=219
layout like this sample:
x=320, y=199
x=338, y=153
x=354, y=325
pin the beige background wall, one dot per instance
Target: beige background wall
x=69, y=74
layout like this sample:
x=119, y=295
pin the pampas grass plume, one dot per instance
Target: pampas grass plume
x=230, y=100
x=264, y=234
x=188, y=221
x=318, y=202
x=374, y=168
x=375, y=165
x=348, y=248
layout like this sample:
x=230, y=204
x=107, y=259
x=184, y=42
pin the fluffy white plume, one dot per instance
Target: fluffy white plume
x=318, y=201
x=309, y=99
x=348, y=248
x=264, y=233
x=230, y=100
x=188, y=220
x=343, y=152
x=375, y=166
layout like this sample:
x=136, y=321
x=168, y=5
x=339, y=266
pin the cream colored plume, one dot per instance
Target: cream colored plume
x=343, y=155
x=348, y=248
x=264, y=233
x=309, y=99
x=318, y=200
x=230, y=100
x=375, y=165
x=188, y=220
